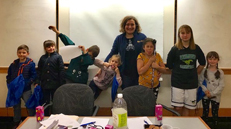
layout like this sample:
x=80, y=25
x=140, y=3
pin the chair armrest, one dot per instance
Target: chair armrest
x=171, y=110
x=50, y=104
x=95, y=111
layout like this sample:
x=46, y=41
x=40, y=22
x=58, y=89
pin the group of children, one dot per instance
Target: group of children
x=51, y=74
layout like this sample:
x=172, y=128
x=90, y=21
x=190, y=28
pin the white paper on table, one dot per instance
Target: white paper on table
x=63, y=120
x=69, y=52
x=98, y=121
x=137, y=123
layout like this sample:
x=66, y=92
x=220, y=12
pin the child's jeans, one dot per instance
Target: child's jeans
x=95, y=89
x=17, y=108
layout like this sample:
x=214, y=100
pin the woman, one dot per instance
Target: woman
x=128, y=45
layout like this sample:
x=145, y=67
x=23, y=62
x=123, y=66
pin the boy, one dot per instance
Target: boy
x=25, y=66
x=77, y=70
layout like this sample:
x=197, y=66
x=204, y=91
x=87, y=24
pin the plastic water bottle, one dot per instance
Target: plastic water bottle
x=119, y=113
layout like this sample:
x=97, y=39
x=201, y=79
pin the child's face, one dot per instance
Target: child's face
x=213, y=61
x=114, y=63
x=22, y=55
x=149, y=48
x=185, y=36
x=50, y=49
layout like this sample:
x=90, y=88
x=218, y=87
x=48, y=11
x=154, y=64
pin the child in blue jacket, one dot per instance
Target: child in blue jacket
x=25, y=66
x=51, y=73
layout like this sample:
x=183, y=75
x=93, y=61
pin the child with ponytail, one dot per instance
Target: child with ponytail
x=214, y=78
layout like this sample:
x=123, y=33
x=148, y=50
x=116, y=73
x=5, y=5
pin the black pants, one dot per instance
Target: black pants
x=47, y=98
x=215, y=108
x=156, y=91
x=96, y=90
x=128, y=81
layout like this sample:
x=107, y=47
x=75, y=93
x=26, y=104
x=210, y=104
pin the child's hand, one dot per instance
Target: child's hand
x=82, y=48
x=158, y=75
x=35, y=85
x=117, y=70
x=106, y=64
x=207, y=93
x=155, y=65
x=152, y=59
x=54, y=29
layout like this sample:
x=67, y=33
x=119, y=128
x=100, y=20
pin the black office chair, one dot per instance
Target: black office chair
x=141, y=101
x=74, y=99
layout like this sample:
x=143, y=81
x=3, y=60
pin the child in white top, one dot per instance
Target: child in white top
x=214, y=78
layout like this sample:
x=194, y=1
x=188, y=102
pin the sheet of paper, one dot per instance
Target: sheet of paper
x=137, y=123
x=63, y=120
x=98, y=121
x=69, y=52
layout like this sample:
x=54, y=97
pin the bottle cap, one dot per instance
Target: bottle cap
x=120, y=95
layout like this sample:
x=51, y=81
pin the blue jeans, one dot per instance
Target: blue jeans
x=17, y=108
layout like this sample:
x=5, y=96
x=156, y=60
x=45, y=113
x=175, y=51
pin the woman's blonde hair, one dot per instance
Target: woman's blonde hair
x=179, y=43
x=125, y=20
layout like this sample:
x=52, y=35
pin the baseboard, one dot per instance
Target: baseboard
x=10, y=112
x=106, y=111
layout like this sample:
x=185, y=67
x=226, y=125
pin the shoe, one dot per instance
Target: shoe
x=215, y=126
x=16, y=124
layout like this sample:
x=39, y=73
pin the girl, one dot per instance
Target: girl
x=182, y=60
x=148, y=76
x=50, y=72
x=102, y=80
x=214, y=78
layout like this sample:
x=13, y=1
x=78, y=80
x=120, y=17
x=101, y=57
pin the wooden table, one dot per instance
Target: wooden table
x=179, y=122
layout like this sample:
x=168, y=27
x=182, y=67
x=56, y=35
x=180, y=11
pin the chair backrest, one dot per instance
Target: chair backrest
x=140, y=101
x=73, y=99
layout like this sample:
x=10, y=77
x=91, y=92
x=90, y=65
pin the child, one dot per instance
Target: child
x=77, y=70
x=25, y=66
x=50, y=72
x=108, y=70
x=214, y=78
x=182, y=61
x=148, y=76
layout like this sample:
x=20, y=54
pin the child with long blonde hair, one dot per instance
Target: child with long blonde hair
x=182, y=61
x=104, y=78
